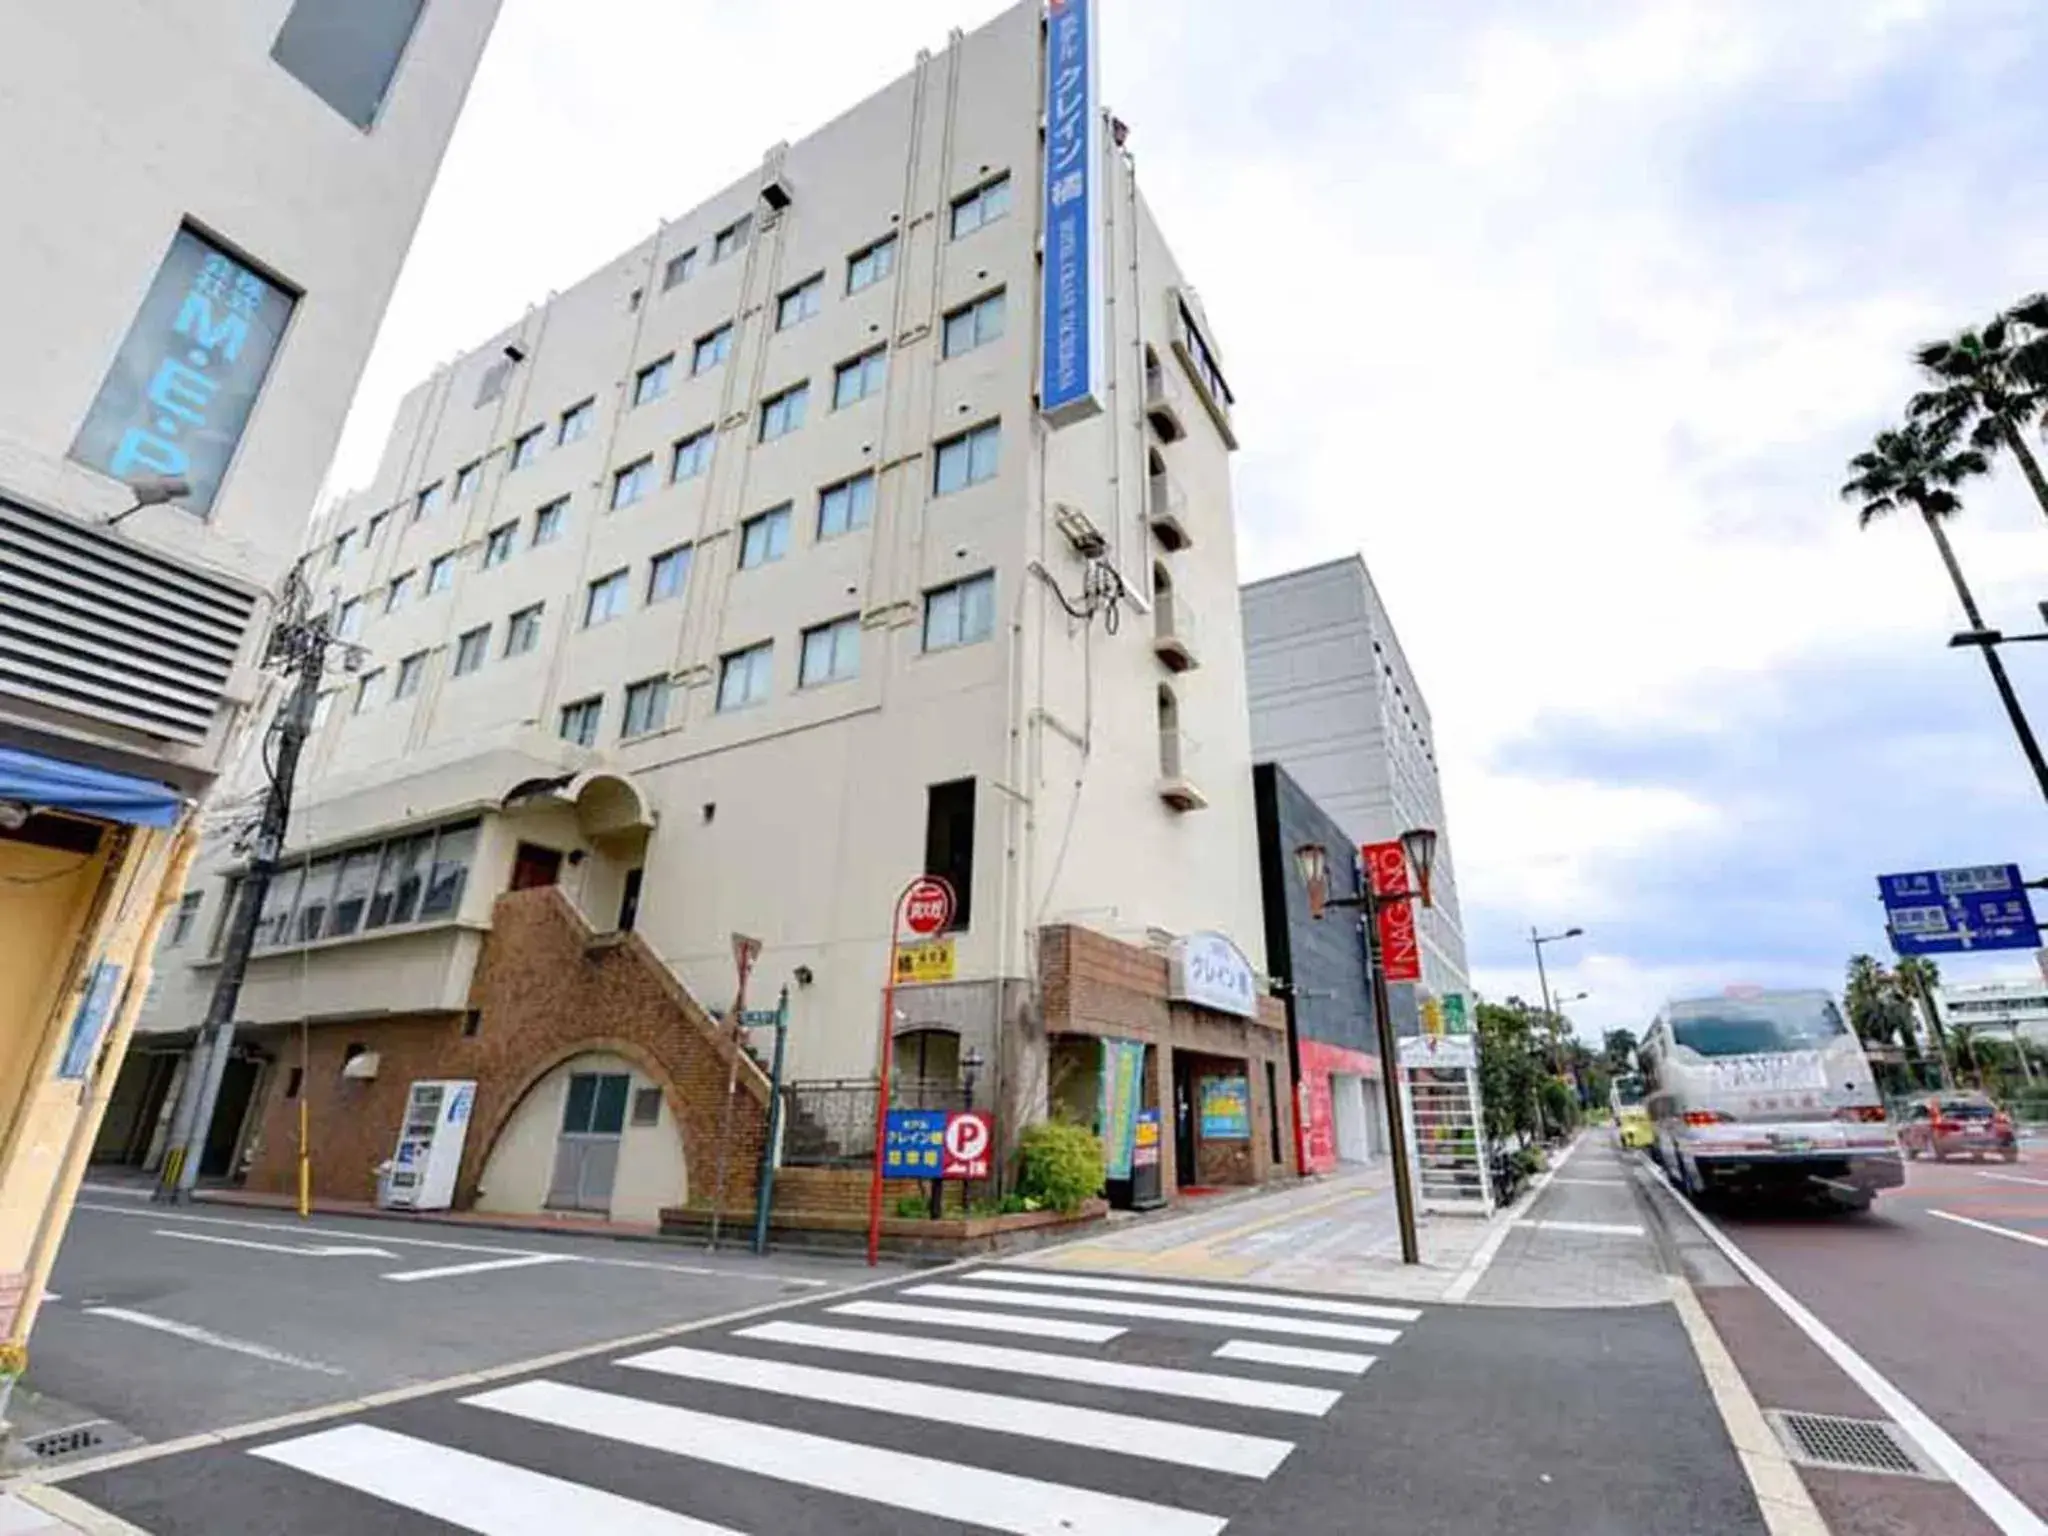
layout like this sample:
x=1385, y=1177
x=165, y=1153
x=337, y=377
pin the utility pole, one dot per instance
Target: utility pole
x=298, y=649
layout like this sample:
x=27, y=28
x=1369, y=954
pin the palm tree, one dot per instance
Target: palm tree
x=1965, y=1037
x=1917, y=465
x=1868, y=998
x=1914, y=979
x=1993, y=384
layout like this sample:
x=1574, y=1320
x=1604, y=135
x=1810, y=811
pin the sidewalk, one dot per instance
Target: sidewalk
x=39, y=1509
x=490, y=1221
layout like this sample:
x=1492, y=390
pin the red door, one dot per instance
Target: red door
x=534, y=865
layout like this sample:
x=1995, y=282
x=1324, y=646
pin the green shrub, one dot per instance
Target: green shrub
x=913, y=1207
x=1059, y=1165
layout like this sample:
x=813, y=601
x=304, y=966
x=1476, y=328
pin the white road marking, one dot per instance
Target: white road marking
x=1490, y=1246
x=1222, y=1317
x=197, y=1335
x=2009, y=1178
x=1204, y=1386
x=288, y=1229
x=474, y=1493
x=326, y=1251
x=1985, y=1226
x=984, y=1322
x=1092, y=1429
x=1340, y=1361
x=968, y=1496
x=1279, y=1301
x=2000, y=1505
x=1598, y=1228
x=482, y=1266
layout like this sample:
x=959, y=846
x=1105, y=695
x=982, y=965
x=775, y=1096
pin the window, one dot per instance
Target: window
x=343, y=543
x=967, y=459
x=492, y=385
x=974, y=325
x=352, y=892
x=711, y=349
x=410, y=673
x=454, y=847
x=646, y=706
x=984, y=205
x=646, y=1104
x=859, y=378
x=596, y=1104
x=374, y=527
x=440, y=574
x=396, y=895
x=1207, y=372
x=399, y=590
x=348, y=623
x=732, y=239
x=632, y=482
x=323, y=707
x=846, y=506
x=499, y=544
x=745, y=677
x=831, y=652
x=605, y=599
x=764, y=537
x=187, y=914
x=348, y=54
x=315, y=897
x=526, y=447
x=782, y=414
x=366, y=688
x=679, y=269
x=467, y=479
x=692, y=456
x=580, y=721
x=576, y=422
x=866, y=268
x=800, y=302
x=428, y=502
x=651, y=382
x=471, y=647
x=274, y=919
x=960, y=614
x=547, y=522
x=522, y=630
x=668, y=574
x=949, y=843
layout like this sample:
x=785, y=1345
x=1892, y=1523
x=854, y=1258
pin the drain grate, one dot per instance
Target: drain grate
x=1849, y=1445
x=54, y=1443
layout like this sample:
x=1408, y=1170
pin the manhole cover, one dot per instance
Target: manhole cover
x=1849, y=1445
x=55, y=1443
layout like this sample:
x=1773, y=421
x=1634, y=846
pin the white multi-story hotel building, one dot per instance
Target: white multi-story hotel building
x=207, y=209
x=1335, y=703
x=743, y=580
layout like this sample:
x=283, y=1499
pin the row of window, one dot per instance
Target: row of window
x=417, y=878
x=959, y=613
x=974, y=324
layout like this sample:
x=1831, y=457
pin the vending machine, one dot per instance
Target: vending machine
x=421, y=1173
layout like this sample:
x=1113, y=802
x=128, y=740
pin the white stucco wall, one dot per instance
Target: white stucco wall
x=520, y=1166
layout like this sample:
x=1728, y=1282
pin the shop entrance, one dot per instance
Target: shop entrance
x=1212, y=1120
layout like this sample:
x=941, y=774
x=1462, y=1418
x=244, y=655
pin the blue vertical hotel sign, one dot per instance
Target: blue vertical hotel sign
x=1070, y=364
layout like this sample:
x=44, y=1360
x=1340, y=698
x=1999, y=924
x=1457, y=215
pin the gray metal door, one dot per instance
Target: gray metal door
x=587, y=1156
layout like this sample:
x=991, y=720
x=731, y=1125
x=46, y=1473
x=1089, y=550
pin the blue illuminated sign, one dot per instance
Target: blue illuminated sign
x=1070, y=362
x=1955, y=911
x=183, y=384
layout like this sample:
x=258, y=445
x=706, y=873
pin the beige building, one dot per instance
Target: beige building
x=208, y=207
x=744, y=580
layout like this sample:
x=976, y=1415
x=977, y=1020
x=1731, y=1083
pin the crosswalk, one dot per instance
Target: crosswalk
x=1001, y=1399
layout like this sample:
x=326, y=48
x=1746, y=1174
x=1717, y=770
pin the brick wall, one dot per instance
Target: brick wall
x=545, y=989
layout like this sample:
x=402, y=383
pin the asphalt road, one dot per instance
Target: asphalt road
x=1007, y=1399
x=171, y=1321
x=1943, y=1287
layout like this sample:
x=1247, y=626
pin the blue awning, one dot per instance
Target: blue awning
x=51, y=784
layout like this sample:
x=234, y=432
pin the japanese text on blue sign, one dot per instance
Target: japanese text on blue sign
x=913, y=1143
x=1952, y=911
x=183, y=384
x=1072, y=343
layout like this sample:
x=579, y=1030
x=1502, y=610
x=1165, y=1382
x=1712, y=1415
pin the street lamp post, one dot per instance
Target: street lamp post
x=1536, y=942
x=1312, y=862
x=1988, y=641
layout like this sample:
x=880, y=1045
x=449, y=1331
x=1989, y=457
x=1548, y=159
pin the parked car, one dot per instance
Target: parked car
x=1947, y=1124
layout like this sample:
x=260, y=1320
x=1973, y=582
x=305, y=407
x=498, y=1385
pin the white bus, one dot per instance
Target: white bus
x=1754, y=1091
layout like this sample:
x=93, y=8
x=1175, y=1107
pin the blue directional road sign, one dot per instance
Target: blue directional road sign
x=1955, y=911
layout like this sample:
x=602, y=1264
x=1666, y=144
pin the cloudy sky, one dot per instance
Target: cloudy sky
x=1566, y=313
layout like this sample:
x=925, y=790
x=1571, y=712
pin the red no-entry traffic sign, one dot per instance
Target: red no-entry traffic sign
x=967, y=1140
x=927, y=906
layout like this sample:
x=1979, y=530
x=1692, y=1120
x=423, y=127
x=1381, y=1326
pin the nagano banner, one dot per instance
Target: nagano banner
x=1123, y=1087
x=1386, y=865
